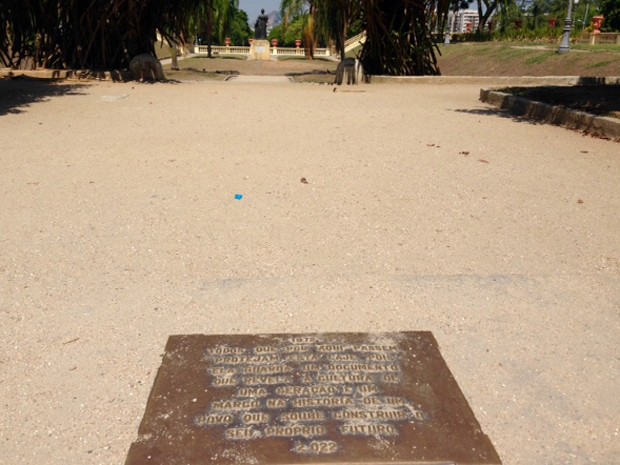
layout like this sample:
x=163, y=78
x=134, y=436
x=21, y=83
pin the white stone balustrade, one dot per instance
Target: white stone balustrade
x=245, y=50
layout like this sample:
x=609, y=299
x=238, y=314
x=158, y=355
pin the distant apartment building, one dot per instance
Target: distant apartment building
x=463, y=21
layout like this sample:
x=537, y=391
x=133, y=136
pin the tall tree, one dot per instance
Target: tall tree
x=99, y=34
x=240, y=30
x=610, y=9
x=292, y=9
x=487, y=8
x=214, y=18
x=335, y=18
x=224, y=16
x=399, y=36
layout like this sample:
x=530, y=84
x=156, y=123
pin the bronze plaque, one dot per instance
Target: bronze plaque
x=285, y=399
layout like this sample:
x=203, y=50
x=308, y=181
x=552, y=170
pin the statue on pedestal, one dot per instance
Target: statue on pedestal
x=260, y=27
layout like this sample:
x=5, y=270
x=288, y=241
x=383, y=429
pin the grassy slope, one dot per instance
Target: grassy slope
x=504, y=59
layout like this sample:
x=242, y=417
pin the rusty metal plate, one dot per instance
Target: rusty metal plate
x=286, y=399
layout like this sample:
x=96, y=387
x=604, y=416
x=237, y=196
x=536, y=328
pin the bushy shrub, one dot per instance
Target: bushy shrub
x=544, y=34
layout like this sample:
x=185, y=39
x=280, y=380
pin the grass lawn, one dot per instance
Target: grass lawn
x=528, y=59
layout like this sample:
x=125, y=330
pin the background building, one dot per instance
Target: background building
x=463, y=21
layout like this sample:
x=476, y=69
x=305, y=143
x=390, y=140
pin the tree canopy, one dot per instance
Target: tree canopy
x=86, y=34
x=213, y=19
x=399, y=32
x=240, y=30
x=106, y=34
x=610, y=9
x=399, y=36
x=101, y=34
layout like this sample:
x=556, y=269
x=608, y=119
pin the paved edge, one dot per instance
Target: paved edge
x=260, y=79
x=600, y=126
x=498, y=80
x=126, y=75
x=121, y=75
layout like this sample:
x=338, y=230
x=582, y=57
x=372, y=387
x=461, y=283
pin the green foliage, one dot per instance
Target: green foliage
x=292, y=10
x=213, y=20
x=304, y=10
x=468, y=37
x=532, y=24
x=556, y=8
x=287, y=37
x=525, y=34
x=535, y=16
x=355, y=28
x=610, y=9
x=240, y=30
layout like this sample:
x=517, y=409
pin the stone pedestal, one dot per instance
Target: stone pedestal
x=259, y=50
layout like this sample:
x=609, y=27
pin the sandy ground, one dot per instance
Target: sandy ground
x=424, y=210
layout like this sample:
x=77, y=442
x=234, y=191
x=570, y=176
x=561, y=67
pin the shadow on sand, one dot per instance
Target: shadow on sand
x=17, y=94
x=497, y=112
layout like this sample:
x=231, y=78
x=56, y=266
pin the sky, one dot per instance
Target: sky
x=253, y=7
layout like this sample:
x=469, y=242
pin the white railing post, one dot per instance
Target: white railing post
x=245, y=50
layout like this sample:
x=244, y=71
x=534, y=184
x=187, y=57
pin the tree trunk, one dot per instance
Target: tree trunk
x=480, y=28
x=343, y=39
x=309, y=34
x=399, y=40
x=173, y=56
x=209, y=29
x=483, y=18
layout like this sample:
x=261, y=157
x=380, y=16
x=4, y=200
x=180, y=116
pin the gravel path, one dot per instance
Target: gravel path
x=423, y=210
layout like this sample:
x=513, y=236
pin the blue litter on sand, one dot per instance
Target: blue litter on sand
x=238, y=196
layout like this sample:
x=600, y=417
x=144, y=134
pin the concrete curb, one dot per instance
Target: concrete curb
x=248, y=78
x=600, y=126
x=498, y=80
